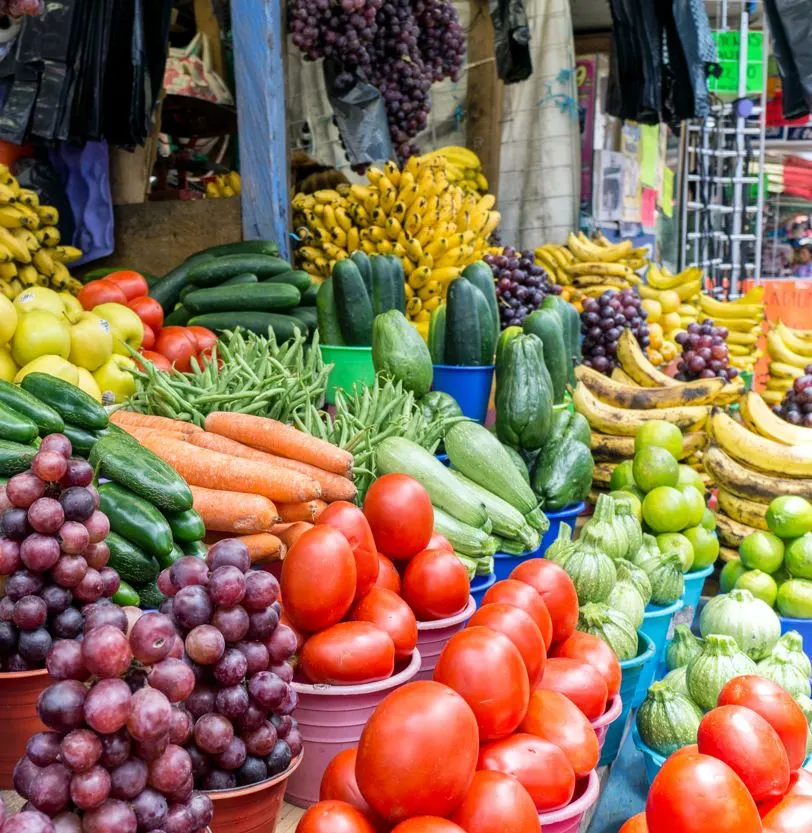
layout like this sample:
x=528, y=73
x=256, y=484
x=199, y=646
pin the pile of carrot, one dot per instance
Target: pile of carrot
x=250, y=476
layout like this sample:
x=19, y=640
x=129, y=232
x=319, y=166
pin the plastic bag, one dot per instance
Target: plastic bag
x=792, y=42
x=511, y=40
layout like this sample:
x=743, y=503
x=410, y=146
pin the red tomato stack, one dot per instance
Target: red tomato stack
x=744, y=773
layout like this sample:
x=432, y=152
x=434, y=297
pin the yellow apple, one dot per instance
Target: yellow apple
x=126, y=326
x=39, y=297
x=53, y=366
x=88, y=384
x=115, y=379
x=8, y=320
x=91, y=341
x=40, y=333
x=8, y=367
x=73, y=309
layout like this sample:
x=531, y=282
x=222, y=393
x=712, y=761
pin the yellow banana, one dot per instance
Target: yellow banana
x=20, y=251
x=353, y=239
x=781, y=369
x=760, y=418
x=8, y=271
x=720, y=309
x=781, y=353
x=735, y=337
x=327, y=196
x=635, y=364
x=48, y=235
x=27, y=275
x=795, y=343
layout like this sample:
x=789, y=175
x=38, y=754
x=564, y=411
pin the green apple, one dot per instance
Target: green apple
x=126, y=325
x=91, y=341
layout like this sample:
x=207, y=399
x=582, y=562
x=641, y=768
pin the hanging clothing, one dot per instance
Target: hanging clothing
x=791, y=27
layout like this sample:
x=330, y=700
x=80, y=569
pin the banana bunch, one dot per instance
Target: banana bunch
x=742, y=318
x=434, y=227
x=224, y=186
x=462, y=167
x=790, y=352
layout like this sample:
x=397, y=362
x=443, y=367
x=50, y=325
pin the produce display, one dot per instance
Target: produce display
x=742, y=319
x=603, y=320
x=704, y=353
x=790, y=352
x=794, y=407
x=462, y=167
x=521, y=285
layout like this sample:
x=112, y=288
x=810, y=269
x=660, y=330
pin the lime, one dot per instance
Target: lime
x=762, y=551
x=660, y=433
x=654, y=466
x=761, y=585
x=780, y=576
x=631, y=499
x=696, y=504
x=789, y=516
x=622, y=475
x=689, y=477
x=705, y=545
x=708, y=519
x=730, y=574
x=674, y=542
x=665, y=510
x=795, y=598
x=798, y=557
x=633, y=490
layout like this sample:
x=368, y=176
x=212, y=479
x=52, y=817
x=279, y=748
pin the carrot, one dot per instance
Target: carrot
x=122, y=418
x=305, y=511
x=278, y=438
x=211, y=469
x=242, y=514
x=138, y=432
x=289, y=534
x=333, y=486
x=264, y=547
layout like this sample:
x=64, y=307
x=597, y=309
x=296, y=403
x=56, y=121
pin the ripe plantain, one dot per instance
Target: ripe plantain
x=612, y=449
x=731, y=532
x=759, y=418
x=742, y=510
x=635, y=364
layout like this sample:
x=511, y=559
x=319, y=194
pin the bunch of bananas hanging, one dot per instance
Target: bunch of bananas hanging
x=462, y=167
x=224, y=186
x=416, y=214
x=671, y=303
x=742, y=318
x=30, y=250
x=790, y=352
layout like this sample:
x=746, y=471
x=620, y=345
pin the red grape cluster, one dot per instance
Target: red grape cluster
x=52, y=553
x=236, y=676
x=796, y=406
x=602, y=322
x=521, y=285
x=112, y=758
x=704, y=353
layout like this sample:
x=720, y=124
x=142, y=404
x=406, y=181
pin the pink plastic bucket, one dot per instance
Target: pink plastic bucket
x=432, y=636
x=331, y=719
x=568, y=819
x=602, y=723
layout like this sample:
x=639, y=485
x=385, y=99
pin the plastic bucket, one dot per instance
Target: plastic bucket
x=803, y=626
x=251, y=809
x=630, y=670
x=480, y=586
x=352, y=365
x=694, y=582
x=601, y=724
x=470, y=386
x=504, y=563
x=651, y=760
x=432, y=636
x=566, y=515
x=331, y=719
x=443, y=458
x=568, y=819
x=657, y=625
x=19, y=691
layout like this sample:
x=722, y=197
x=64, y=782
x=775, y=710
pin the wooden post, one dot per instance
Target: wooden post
x=259, y=67
x=208, y=24
x=483, y=105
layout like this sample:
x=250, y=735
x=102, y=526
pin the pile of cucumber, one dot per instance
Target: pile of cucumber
x=243, y=284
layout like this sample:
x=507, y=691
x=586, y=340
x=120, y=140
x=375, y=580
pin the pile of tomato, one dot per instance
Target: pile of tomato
x=744, y=774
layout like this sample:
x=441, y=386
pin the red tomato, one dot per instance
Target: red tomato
x=400, y=514
x=349, y=520
x=690, y=749
x=160, y=362
x=792, y=815
x=100, y=292
x=435, y=584
x=497, y=802
x=486, y=668
x=776, y=706
x=579, y=681
x=518, y=593
x=800, y=783
x=177, y=345
x=204, y=338
x=552, y=716
x=348, y=653
x=388, y=575
x=636, y=824
x=439, y=542
x=699, y=794
x=749, y=746
x=318, y=579
x=427, y=824
x=132, y=284
x=387, y=611
x=338, y=782
x=556, y=589
x=538, y=765
x=333, y=817
x=148, y=310
x=593, y=650
x=521, y=630
x=148, y=341
x=418, y=752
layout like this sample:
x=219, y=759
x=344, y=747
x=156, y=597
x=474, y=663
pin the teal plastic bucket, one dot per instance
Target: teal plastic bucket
x=480, y=586
x=656, y=625
x=470, y=386
x=694, y=582
x=630, y=670
x=351, y=366
x=651, y=760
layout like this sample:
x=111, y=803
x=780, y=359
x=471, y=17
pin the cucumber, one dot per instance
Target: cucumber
x=129, y=561
x=243, y=247
x=70, y=402
x=16, y=427
x=196, y=548
x=309, y=296
x=387, y=284
x=97, y=274
x=167, y=290
x=213, y=272
x=185, y=291
x=255, y=297
x=353, y=306
x=437, y=334
x=547, y=325
x=126, y=595
x=151, y=596
x=135, y=519
x=138, y=469
x=186, y=526
x=487, y=333
x=283, y=326
x=46, y=418
x=329, y=331
x=308, y=318
x=168, y=559
x=15, y=457
x=364, y=264
x=239, y=280
x=571, y=329
x=293, y=277
x=481, y=276
x=81, y=439
x=463, y=337
x=179, y=317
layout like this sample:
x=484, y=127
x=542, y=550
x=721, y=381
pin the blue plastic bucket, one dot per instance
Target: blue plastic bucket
x=803, y=626
x=651, y=760
x=694, y=582
x=470, y=386
x=630, y=670
x=566, y=515
x=480, y=585
x=443, y=458
x=656, y=625
x=504, y=563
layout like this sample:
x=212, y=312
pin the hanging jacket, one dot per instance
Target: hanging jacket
x=791, y=27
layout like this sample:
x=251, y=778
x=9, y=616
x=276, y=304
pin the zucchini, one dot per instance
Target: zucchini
x=186, y=526
x=243, y=247
x=151, y=596
x=196, y=548
x=309, y=296
x=571, y=328
x=387, y=284
x=81, y=439
x=239, y=280
x=15, y=427
x=437, y=334
x=135, y=519
x=70, y=402
x=547, y=325
x=259, y=297
x=131, y=465
x=46, y=418
x=463, y=337
x=167, y=290
x=353, y=306
x=329, y=331
x=179, y=317
x=307, y=317
x=213, y=272
x=129, y=561
x=15, y=457
x=294, y=277
x=364, y=264
x=168, y=559
x=465, y=539
x=481, y=276
x=397, y=454
x=487, y=332
x=283, y=326
x=126, y=595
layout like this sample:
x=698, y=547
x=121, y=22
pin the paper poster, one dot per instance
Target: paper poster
x=585, y=76
x=649, y=154
x=648, y=205
x=667, y=195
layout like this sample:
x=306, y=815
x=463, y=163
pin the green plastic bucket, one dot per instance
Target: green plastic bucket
x=351, y=366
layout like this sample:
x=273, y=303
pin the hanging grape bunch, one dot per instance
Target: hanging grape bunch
x=603, y=320
x=796, y=406
x=704, y=353
x=52, y=553
x=521, y=285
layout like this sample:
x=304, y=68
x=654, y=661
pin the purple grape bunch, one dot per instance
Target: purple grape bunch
x=521, y=285
x=796, y=406
x=603, y=320
x=704, y=353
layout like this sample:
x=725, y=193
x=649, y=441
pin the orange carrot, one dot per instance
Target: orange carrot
x=289, y=534
x=211, y=469
x=122, y=418
x=305, y=511
x=278, y=438
x=333, y=486
x=240, y=513
x=263, y=547
x=138, y=432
